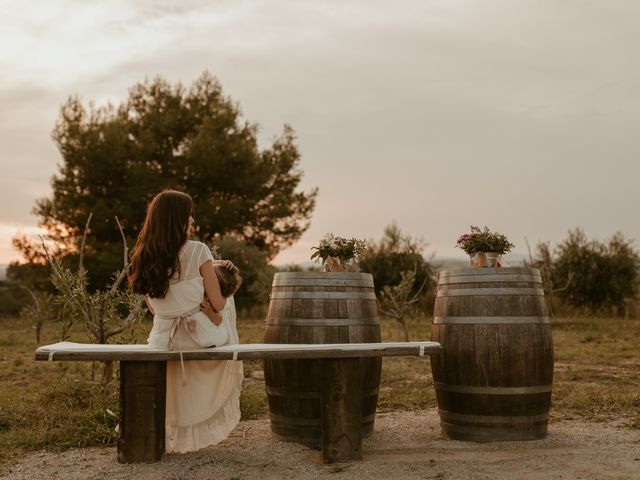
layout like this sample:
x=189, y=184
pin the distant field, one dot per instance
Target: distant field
x=56, y=406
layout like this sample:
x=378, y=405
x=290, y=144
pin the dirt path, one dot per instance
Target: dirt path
x=404, y=446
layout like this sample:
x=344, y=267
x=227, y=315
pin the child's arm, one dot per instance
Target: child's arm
x=207, y=309
x=228, y=264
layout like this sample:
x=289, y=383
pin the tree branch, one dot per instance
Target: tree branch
x=46, y=251
x=121, y=276
x=385, y=312
x=89, y=324
x=123, y=272
x=82, y=304
x=415, y=297
x=566, y=285
x=84, y=240
x=125, y=262
x=127, y=321
x=529, y=249
x=31, y=294
x=392, y=297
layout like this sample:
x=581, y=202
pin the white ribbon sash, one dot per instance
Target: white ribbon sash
x=185, y=319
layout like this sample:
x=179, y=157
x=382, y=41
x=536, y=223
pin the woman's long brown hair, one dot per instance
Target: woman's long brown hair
x=154, y=258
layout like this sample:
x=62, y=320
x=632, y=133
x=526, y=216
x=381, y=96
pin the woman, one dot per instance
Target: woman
x=174, y=273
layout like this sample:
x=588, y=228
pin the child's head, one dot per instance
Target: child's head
x=229, y=281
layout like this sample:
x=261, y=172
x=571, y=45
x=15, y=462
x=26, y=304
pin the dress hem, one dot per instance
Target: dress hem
x=213, y=430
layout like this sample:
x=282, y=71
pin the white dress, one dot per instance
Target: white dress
x=203, y=397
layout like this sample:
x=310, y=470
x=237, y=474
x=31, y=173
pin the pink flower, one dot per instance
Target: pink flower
x=465, y=236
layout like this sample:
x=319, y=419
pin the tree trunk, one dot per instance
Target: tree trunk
x=107, y=375
x=405, y=329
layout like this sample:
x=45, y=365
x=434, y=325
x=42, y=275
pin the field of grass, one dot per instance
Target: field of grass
x=57, y=406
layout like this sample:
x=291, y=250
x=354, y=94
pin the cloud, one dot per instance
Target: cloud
x=520, y=115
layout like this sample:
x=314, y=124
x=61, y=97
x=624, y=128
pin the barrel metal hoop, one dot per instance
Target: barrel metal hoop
x=492, y=390
x=495, y=419
x=311, y=422
x=466, y=292
x=277, y=392
x=325, y=295
x=322, y=276
x=481, y=272
x=486, y=320
x=283, y=419
x=322, y=322
x=321, y=282
x=447, y=279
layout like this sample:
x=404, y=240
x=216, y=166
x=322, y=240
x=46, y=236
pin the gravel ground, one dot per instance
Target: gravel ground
x=404, y=446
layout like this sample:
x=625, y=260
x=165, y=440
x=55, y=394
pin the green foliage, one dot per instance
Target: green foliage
x=484, y=241
x=253, y=401
x=31, y=275
x=396, y=301
x=115, y=159
x=592, y=275
x=257, y=274
x=41, y=309
x=12, y=297
x=339, y=247
x=104, y=313
x=394, y=254
x=49, y=405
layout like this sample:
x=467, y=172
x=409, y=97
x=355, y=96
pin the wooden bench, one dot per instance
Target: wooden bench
x=143, y=387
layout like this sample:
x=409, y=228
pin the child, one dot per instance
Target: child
x=230, y=281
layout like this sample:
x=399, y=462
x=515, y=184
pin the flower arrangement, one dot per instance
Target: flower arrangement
x=337, y=252
x=484, y=241
x=215, y=252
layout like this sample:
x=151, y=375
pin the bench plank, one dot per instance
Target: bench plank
x=90, y=352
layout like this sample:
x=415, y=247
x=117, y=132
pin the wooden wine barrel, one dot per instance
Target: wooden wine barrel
x=317, y=307
x=493, y=378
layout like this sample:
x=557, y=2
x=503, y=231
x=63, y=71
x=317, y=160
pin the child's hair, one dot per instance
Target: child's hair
x=229, y=281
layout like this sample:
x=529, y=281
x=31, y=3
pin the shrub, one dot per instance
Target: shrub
x=599, y=277
x=394, y=254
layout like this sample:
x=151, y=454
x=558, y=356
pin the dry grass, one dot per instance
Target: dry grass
x=597, y=369
x=56, y=406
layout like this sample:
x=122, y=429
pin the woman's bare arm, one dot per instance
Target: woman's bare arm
x=146, y=300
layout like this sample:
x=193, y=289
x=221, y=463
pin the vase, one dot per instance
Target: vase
x=337, y=264
x=334, y=264
x=485, y=260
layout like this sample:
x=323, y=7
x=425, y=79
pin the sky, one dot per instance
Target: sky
x=521, y=115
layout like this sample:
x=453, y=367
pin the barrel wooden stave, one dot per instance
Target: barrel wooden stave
x=320, y=311
x=493, y=378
